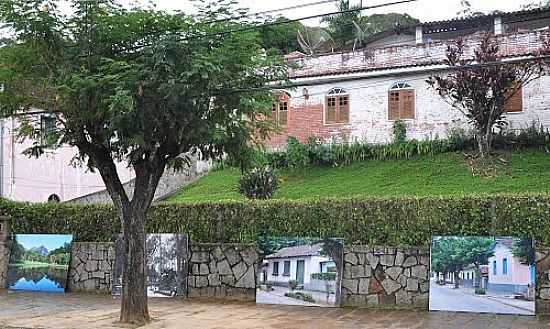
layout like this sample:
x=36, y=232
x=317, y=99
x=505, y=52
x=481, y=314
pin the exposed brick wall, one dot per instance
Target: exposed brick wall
x=306, y=120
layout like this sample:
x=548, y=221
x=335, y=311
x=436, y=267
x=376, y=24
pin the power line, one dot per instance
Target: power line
x=267, y=12
x=287, y=21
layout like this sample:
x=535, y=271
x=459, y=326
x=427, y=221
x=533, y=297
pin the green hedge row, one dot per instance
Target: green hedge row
x=396, y=222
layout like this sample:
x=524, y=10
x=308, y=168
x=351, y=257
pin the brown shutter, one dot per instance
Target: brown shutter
x=407, y=105
x=514, y=103
x=330, y=115
x=283, y=113
x=343, y=109
x=393, y=105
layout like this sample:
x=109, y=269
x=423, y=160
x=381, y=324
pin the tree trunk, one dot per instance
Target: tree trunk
x=456, y=279
x=134, y=309
x=484, y=141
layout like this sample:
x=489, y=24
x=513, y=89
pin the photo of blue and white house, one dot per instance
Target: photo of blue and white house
x=39, y=262
x=300, y=271
x=483, y=275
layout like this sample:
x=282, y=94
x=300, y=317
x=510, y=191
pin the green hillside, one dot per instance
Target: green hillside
x=444, y=174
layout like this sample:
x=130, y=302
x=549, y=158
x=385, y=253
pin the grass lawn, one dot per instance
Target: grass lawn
x=441, y=175
x=30, y=264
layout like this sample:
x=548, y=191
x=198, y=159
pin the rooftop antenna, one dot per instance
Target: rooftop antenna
x=313, y=40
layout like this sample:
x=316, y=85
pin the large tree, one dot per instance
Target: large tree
x=479, y=85
x=135, y=85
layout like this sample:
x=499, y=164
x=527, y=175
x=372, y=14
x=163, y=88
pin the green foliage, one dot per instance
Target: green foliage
x=301, y=296
x=341, y=26
x=328, y=276
x=373, y=221
x=259, y=183
x=438, y=175
x=524, y=250
x=451, y=254
x=296, y=153
x=282, y=38
x=399, y=132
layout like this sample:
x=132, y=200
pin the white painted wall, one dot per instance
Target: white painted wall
x=35, y=179
x=312, y=264
x=433, y=118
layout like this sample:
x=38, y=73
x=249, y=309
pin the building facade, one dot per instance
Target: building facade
x=358, y=95
x=507, y=273
x=296, y=263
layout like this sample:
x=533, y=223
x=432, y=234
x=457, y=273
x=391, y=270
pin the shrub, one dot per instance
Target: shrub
x=480, y=291
x=399, y=132
x=320, y=154
x=293, y=284
x=300, y=296
x=259, y=183
x=297, y=155
x=396, y=222
x=328, y=276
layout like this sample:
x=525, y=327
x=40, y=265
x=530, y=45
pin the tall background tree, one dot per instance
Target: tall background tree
x=135, y=85
x=480, y=85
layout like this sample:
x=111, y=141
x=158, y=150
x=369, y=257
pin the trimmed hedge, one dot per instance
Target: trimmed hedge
x=396, y=222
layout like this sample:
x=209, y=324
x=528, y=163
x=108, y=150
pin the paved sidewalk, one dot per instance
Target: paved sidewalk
x=25, y=310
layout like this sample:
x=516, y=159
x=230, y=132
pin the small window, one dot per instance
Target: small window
x=280, y=108
x=514, y=103
x=275, y=268
x=286, y=268
x=504, y=266
x=494, y=267
x=337, y=106
x=54, y=198
x=401, y=102
x=47, y=129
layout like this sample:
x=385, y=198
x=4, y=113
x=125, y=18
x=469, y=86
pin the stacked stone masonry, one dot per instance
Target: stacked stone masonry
x=377, y=276
x=543, y=281
x=226, y=271
x=91, y=267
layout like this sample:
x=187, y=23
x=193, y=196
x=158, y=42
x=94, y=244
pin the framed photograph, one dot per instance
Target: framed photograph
x=300, y=271
x=483, y=275
x=166, y=265
x=39, y=262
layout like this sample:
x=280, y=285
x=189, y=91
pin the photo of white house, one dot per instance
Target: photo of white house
x=299, y=272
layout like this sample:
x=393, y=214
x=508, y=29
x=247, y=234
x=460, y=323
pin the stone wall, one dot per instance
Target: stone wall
x=91, y=265
x=543, y=281
x=225, y=271
x=170, y=182
x=4, y=257
x=377, y=276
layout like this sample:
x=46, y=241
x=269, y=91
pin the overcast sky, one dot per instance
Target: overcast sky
x=425, y=10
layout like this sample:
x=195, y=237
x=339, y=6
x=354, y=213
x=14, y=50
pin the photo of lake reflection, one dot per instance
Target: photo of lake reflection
x=39, y=262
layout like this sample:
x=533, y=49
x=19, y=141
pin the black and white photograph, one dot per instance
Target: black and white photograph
x=166, y=265
x=483, y=275
x=300, y=271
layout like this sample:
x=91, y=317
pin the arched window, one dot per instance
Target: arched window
x=337, y=106
x=281, y=101
x=54, y=198
x=401, y=102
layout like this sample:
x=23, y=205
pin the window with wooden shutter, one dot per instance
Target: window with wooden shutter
x=280, y=108
x=401, y=102
x=515, y=102
x=337, y=107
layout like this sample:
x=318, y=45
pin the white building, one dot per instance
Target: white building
x=507, y=273
x=296, y=263
x=357, y=95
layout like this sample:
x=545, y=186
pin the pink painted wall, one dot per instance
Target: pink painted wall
x=34, y=180
x=517, y=273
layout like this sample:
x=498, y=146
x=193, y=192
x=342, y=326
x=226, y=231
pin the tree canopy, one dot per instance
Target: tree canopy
x=135, y=85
